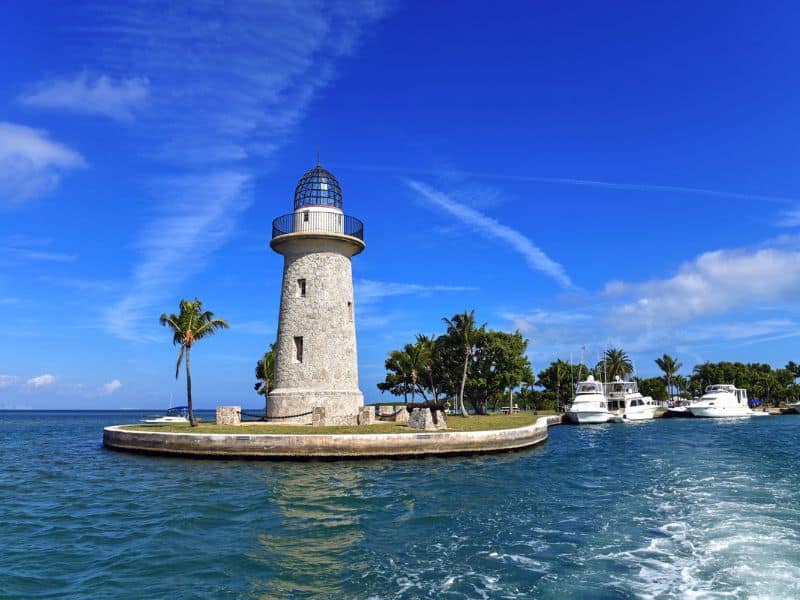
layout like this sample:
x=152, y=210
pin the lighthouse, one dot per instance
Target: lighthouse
x=316, y=363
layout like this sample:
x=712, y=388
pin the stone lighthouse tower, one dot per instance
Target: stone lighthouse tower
x=316, y=361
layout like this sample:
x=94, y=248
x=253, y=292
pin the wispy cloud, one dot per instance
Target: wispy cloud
x=31, y=164
x=615, y=185
x=8, y=380
x=252, y=327
x=41, y=381
x=225, y=94
x=790, y=218
x=199, y=218
x=368, y=291
x=33, y=249
x=91, y=94
x=490, y=227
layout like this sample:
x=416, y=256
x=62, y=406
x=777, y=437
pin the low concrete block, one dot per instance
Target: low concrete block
x=367, y=416
x=401, y=416
x=318, y=416
x=229, y=415
x=422, y=418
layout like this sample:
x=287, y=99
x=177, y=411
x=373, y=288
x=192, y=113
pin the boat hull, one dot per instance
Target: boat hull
x=720, y=412
x=589, y=417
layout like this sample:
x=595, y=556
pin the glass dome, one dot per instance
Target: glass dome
x=318, y=187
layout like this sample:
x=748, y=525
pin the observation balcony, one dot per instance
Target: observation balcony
x=318, y=222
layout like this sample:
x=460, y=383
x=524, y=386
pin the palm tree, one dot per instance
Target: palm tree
x=265, y=369
x=615, y=363
x=397, y=368
x=670, y=367
x=426, y=343
x=189, y=326
x=462, y=328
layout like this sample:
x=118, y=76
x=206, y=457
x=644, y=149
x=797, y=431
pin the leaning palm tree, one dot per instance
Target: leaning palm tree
x=189, y=326
x=462, y=328
x=265, y=368
x=670, y=367
x=615, y=363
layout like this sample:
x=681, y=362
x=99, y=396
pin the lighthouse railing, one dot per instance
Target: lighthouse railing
x=317, y=222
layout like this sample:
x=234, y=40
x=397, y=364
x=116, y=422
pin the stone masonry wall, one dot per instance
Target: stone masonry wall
x=324, y=318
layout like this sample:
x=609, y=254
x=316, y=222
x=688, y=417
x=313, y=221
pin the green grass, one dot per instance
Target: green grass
x=454, y=423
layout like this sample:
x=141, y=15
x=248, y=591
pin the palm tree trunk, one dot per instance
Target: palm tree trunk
x=413, y=386
x=189, y=388
x=266, y=396
x=464, y=412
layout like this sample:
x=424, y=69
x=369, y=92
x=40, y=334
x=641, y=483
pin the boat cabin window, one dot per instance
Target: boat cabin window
x=588, y=388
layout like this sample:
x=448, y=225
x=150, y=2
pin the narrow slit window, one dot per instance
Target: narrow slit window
x=298, y=349
x=301, y=288
x=350, y=309
x=305, y=216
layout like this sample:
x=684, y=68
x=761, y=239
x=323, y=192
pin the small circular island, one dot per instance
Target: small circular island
x=475, y=435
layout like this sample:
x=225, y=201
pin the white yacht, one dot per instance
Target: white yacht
x=795, y=406
x=589, y=405
x=177, y=414
x=627, y=403
x=722, y=400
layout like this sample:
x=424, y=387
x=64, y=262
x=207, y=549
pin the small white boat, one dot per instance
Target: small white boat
x=178, y=414
x=627, y=403
x=795, y=406
x=589, y=405
x=721, y=401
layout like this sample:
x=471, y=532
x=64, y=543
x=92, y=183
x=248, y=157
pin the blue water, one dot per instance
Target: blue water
x=671, y=508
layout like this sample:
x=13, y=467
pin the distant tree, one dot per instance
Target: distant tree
x=265, y=374
x=427, y=344
x=653, y=387
x=398, y=372
x=615, y=363
x=462, y=329
x=188, y=327
x=499, y=366
x=559, y=379
x=670, y=367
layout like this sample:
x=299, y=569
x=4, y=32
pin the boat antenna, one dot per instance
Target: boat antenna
x=571, y=374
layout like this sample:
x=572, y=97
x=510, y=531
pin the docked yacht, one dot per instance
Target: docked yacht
x=589, y=405
x=722, y=401
x=177, y=414
x=627, y=403
x=795, y=406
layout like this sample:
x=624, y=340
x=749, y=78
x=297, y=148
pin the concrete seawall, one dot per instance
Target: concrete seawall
x=328, y=446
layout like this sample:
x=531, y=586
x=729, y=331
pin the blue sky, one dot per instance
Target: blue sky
x=591, y=174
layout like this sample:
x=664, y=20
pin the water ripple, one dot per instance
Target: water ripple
x=668, y=509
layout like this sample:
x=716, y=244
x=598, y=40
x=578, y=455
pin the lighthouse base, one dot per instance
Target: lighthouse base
x=297, y=405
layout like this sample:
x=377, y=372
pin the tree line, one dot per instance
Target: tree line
x=770, y=386
x=466, y=364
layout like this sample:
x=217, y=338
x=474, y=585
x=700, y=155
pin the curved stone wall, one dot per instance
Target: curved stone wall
x=327, y=446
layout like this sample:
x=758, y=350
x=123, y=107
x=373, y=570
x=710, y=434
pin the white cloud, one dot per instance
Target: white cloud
x=8, y=380
x=41, y=381
x=713, y=283
x=368, y=291
x=91, y=94
x=492, y=228
x=111, y=387
x=31, y=164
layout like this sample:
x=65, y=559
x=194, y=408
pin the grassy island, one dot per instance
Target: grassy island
x=454, y=423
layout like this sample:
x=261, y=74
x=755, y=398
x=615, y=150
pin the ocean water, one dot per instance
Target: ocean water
x=667, y=509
